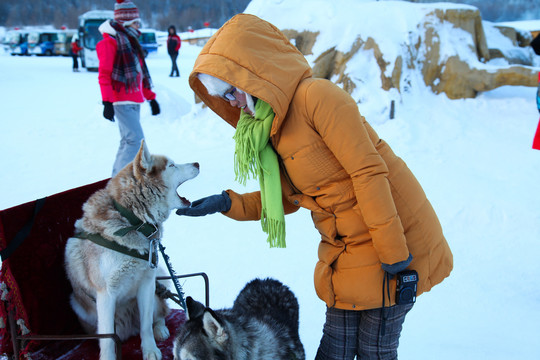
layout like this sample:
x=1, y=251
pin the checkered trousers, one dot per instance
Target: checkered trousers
x=349, y=333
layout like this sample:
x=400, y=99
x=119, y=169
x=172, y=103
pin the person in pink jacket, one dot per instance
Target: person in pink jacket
x=536, y=140
x=535, y=44
x=124, y=79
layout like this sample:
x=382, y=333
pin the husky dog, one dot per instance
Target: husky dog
x=114, y=292
x=262, y=325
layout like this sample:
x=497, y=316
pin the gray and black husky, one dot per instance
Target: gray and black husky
x=262, y=325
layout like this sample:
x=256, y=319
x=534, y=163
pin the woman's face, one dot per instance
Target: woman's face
x=171, y=31
x=239, y=101
x=136, y=25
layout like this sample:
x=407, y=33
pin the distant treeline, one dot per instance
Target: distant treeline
x=500, y=10
x=158, y=14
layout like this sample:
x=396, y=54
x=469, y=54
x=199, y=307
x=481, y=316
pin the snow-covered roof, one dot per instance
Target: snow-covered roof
x=97, y=14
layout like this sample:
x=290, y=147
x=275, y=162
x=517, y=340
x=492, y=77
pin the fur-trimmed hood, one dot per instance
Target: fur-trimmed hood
x=106, y=28
x=255, y=57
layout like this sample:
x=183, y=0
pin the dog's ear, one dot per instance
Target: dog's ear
x=214, y=328
x=143, y=161
x=194, y=308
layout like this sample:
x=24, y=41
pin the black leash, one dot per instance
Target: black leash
x=176, y=283
x=164, y=293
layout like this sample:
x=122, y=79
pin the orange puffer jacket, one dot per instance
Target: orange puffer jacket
x=367, y=205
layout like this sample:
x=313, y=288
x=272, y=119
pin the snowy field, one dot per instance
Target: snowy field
x=473, y=158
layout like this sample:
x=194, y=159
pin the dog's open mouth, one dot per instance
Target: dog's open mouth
x=193, y=171
x=185, y=201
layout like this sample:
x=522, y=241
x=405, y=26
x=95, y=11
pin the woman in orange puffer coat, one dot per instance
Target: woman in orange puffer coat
x=372, y=214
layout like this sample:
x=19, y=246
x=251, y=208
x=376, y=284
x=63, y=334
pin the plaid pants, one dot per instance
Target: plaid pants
x=349, y=333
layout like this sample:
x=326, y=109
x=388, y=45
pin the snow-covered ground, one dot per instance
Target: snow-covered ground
x=473, y=158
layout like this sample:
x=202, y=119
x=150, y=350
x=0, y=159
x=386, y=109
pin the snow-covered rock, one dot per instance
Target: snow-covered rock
x=442, y=46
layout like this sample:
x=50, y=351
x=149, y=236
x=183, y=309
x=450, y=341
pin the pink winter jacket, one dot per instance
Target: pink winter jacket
x=106, y=51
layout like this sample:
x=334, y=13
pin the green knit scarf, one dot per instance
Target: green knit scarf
x=255, y=157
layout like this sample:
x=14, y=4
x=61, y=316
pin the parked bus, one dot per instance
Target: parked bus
x=63, y=47
x=15, y=42
x=49, y=42
x=89, y=35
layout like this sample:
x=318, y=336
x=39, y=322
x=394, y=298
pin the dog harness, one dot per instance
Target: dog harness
x=147, y=229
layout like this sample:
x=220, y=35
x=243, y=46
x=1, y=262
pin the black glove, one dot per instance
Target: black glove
x=155, y=107
x=397, y=267
x=208, y=205
x=108, y=111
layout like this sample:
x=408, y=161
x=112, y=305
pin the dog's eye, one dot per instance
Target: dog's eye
x=172, y=165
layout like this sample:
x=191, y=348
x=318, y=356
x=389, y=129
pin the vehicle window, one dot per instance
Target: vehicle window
x=91, y=34
x=33, y=38
x=13, y=38
x=147, y=38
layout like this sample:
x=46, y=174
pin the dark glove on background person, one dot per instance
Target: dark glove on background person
x=108, y=111
x=397, y=267
x=208, y=205
x=155, y=107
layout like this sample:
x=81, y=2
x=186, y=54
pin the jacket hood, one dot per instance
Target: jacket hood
x=256, y=57
x=106, y=28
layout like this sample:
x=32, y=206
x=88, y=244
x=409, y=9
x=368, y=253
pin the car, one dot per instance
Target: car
x=148, y=41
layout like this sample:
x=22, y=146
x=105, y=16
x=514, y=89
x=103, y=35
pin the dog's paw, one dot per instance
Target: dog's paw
x=161, y=332
x=152, y=354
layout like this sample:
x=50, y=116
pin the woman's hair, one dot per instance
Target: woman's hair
x=173, y=28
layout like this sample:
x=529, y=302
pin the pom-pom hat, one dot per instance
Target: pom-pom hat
x=125, y=12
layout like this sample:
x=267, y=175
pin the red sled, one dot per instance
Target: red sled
x=36, y=319
x=536, y=140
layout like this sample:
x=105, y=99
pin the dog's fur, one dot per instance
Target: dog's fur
x=113, y=291
x=262, y=325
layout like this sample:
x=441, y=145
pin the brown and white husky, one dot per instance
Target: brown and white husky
x=113, y=291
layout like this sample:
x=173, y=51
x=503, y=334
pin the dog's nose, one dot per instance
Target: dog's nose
x=196, y=165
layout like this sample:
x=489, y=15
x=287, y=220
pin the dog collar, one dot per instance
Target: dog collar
x=147, y=229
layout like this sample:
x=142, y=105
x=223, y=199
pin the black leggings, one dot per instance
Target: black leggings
x=75, y=61
x=174, y=66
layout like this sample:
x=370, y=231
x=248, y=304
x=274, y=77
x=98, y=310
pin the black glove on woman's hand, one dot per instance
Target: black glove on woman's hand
x=108, y=111
x=155, y=107
x=397, y=267
x=208, y=205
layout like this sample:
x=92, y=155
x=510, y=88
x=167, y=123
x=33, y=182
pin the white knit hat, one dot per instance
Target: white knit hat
x=214, y=86
x=218, y=87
